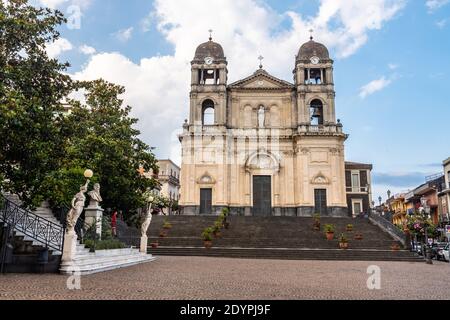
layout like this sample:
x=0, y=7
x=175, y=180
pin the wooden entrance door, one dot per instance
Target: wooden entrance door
x=320, y=200
x=205, y=201
x=262, y=196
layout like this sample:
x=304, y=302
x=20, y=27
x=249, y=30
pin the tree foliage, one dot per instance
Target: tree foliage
x=31, y=90
x=43, y=151
x=103, y=139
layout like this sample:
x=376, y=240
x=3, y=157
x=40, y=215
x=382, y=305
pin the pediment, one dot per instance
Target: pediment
x=261, y=80
x=206, y=178
x=320, y=178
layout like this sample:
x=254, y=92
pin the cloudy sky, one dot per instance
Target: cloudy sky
x=391, y=66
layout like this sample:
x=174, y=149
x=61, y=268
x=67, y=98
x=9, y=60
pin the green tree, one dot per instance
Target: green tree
x=103, y=139
x=32, y=87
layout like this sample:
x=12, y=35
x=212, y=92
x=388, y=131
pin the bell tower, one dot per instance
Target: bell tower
x=313, y=77
x=208, y=85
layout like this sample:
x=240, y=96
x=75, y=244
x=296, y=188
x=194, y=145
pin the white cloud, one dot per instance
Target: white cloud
x=158, y=87
x=124, y=35
x=57, y=47
x=392, y=66
x=85, y=49
x=54, y=4
x=374, y=86
x=441, y=23
x=433, y=5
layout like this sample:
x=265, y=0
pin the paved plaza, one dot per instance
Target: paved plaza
x=222, y=278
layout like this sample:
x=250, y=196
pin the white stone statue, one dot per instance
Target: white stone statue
x=95, y=194
x=261, y=117
x=147, y=220
x=77, y=208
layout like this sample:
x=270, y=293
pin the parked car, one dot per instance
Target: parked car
x=445, y=253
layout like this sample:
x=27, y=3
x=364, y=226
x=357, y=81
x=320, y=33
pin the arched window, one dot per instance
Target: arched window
x=208, y=114
x=316, y=108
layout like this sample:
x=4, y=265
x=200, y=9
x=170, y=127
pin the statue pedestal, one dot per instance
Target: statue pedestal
x=94, y=215
x=144, y=241
x=70, y=246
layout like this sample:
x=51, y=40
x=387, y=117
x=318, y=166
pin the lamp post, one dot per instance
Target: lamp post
x=88, y=174
x=380, y=199
x=423, y=210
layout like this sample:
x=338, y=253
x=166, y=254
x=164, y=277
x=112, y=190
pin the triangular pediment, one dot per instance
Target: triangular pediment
x=261, y=80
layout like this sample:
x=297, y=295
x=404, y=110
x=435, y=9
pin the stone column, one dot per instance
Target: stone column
x=70, y=246
x=94, y=215
x=144, y=242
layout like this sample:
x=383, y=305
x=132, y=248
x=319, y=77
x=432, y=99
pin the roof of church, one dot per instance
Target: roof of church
x=311, y=49
x=264, y=73
x=209, y=49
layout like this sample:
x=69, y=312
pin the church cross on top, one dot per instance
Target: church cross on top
x=210, y=34
x=311, y=31
x=260, y=58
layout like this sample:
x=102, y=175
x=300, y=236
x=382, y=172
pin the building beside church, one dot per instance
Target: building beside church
x=169, y=177
x=264, y=146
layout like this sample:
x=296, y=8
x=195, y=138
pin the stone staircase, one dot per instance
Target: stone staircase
x=26, y=255
x=27, y=251
x=87, y=262
x=272, y=238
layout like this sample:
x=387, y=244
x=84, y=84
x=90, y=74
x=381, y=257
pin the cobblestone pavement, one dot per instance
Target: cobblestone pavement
x=223, y=278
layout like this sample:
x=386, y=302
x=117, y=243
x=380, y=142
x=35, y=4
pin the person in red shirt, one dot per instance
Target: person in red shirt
x=114, y=224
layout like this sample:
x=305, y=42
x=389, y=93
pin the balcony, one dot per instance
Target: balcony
x=326, y=130
x=357, y=189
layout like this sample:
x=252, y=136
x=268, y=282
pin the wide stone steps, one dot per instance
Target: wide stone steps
x=288, y=254
x=104, y=260
x=271, y=238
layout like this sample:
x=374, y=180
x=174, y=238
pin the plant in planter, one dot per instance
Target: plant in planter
x=225, y=213
x=207, y=237
x=358, y=236
x=329, y=231
x=163, y=234
x=167, y=225
x=316, y=225
x=349, y=228
x=395, y=247
x=154, y=244
x=343, y=242
x=216, y=229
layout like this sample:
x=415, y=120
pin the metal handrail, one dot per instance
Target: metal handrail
x=43, y=231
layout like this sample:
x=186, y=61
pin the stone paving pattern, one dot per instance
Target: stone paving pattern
x=194, y=278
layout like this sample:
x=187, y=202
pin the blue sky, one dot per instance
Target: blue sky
x=398, y=50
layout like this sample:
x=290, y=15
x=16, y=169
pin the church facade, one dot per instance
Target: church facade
x=263, y=146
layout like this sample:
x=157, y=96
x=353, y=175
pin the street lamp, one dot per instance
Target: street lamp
x=425, y=218
x=380, y=199
x=88, y=174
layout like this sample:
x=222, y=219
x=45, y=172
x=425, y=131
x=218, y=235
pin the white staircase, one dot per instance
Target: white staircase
x=87, y=262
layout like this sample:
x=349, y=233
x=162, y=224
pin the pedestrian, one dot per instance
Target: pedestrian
x=114, y=224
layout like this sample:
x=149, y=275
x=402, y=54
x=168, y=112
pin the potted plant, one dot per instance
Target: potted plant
x=329, y=231
x=154, y=244
x=225, y=213
x=163, y=234
x=358, y=236
x=349, y=228
x=395, y=247
x=207, y=237
x=343, y=242
x=216, y=229
x=316, y=225
x=167, y=225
